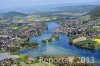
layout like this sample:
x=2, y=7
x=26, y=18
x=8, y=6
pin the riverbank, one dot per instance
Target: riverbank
x=62, y=42
x=59, y=47
x=83, y=42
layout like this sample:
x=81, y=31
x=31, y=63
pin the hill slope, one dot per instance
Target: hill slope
x=95, y=13
x=12, y=14
x=77, y=8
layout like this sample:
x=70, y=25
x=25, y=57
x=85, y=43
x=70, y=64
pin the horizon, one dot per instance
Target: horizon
x=7, y=4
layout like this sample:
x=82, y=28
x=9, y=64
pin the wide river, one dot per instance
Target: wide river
x=59, y=47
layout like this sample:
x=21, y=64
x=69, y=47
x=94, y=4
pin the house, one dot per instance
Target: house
x=4, y=36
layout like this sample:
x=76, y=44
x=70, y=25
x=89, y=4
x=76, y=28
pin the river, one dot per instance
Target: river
x=59, y=47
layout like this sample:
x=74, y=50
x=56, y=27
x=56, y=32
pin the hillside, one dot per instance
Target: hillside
x=11, y=14
x=95, y=13
x=77, y=8
x=68, y=9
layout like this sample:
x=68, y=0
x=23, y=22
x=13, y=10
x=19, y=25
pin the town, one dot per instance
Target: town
x=70, y=34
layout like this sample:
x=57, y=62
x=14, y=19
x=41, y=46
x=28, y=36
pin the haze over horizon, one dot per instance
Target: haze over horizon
x=20, y=3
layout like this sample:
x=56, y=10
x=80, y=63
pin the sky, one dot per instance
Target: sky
x=19, y=3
